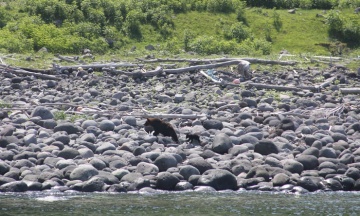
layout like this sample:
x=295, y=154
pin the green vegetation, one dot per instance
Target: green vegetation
x=234, y=27
x=62, y=115
x=4, y=104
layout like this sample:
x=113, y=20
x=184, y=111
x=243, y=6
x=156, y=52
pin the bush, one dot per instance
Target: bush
x=241, y=12
x=351, y=33
x=238, y=31
x=14, y=42
x=131, y=26
x=207, y=45
x=277, y=21
x=188, y=36
x=204, y=45
x=222, y=6
x=255, y=47
x=4, y=17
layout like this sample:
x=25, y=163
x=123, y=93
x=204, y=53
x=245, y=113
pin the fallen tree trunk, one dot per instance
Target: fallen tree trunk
x=207, y=66
x=24, y=72
x=326, y=83
x=279, y=88
x=59, y=68
x=210, y=61
x=64, y=58
x=158, y=70
x=350, y=90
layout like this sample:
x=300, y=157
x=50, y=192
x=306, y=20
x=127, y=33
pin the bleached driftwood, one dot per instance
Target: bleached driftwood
x=207, y=66
x=228, y=106
x=272, y=62
x=210, y=61
x=65, y=58
x=326, y=83
x=144, y=115
x=24, y=72
x=276, y=87
x=59, y=68
x=350, y=90
x=209, y=77
x=330, y=58
x=217, y=81
x=158, y=70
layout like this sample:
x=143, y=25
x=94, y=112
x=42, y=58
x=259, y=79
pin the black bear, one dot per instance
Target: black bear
x=191, y=137
x=161, y=127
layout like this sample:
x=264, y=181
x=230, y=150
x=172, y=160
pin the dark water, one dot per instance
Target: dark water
x=185, y=203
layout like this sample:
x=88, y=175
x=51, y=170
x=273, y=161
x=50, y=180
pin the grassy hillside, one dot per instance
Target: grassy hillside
x=178, y=26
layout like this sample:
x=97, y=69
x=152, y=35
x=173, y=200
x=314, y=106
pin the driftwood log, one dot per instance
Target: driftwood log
x=350, y=90
x=19, y=71
x=212, y=61
x=158, y=70
x=276, y=87
x=207, y=66
x=59, y=68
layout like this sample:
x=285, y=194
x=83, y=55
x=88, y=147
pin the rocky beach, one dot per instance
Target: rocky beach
x=84, y=131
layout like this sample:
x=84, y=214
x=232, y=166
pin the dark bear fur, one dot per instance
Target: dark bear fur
x=161, y=127
x=192, y=137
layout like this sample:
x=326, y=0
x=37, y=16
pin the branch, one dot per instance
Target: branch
x=207, y=66
x=326, y=83
x=158, y=70
x=59, y=68
x=24, y=72
x=350, y=90
x=231, y=106
x=279, y=88
x=201, y=61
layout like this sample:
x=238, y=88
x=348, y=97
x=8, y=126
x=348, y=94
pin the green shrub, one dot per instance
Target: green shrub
x=4, y=17
x=306, y=4
x=131, y=26
x=348, y=3
x=240, y=10
x=15, y=42
x=255, y=47
x=351, y=33
x=86, y=30
x=277, y=22
x=238, y=31
x=222, y=6
x=188, y=36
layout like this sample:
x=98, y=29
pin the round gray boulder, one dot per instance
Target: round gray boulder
x=15, y=186
x=200, y=163
x=292, y=166
x=83, y=172
x=88, y=123
x=130, y=120
x=106, y=125
x=4, y=167
x=280, y=179
x=166, y=181
x=68, y=153
x=212, y=124
x=219, y=179
x=147, y=168
x=309, y=162
x=188, y=170
x=42, y=112
x=310, y=183
x=69, y=127
x=266, y=147
x=96, y=183
x=165, y=161
x=222, y=143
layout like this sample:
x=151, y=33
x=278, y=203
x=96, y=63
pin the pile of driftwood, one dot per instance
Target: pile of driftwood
x=168, y=66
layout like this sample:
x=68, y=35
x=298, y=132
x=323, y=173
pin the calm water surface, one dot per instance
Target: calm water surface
x=184, y=203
